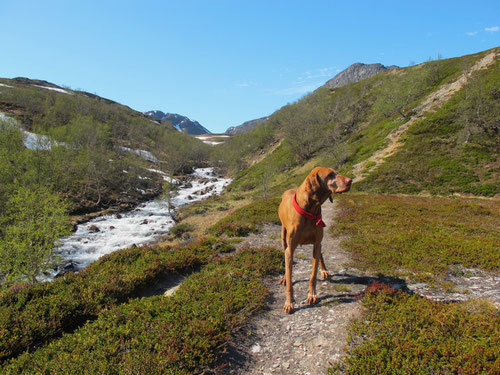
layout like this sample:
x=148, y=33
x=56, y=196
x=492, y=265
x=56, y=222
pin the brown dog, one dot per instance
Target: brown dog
x=301, y=223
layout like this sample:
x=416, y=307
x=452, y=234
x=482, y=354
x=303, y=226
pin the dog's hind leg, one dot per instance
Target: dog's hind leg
x=311, y=293
x=283, y=243
x=322, y=266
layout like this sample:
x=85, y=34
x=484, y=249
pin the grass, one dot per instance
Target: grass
x=31, y=315
x=182, y=334
x=247, y=219
x=419, y=235
x=400, y=333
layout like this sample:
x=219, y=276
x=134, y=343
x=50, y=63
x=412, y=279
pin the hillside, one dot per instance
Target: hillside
x=179, y=122
x=98, y=153
x=443, y=115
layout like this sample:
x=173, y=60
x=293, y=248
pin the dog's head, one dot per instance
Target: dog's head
x=329, y=180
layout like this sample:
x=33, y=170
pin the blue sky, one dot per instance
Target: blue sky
x=226, y=62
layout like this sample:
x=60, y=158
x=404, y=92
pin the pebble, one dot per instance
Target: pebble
x=256, y=348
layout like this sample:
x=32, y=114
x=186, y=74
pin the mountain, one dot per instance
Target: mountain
x=180, y=122
x=357, y=72
x=246, y=126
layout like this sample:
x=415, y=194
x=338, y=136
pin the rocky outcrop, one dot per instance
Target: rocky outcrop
x=246, y=126
x=357, y=72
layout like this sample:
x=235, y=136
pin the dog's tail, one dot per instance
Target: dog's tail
x=283, y=237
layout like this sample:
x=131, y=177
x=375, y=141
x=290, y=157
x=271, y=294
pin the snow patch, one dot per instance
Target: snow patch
x=55, y=89
x=143, y=153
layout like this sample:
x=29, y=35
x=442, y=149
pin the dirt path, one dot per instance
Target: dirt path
x=313, y=337
x=431, y=103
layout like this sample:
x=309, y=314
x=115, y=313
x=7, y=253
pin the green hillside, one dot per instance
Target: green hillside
x=96, y=156
x=446, y=144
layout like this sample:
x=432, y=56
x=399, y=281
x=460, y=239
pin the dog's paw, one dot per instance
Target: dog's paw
x=325, y=274
x=311, y=300
x=283, y=281
x=288, y=308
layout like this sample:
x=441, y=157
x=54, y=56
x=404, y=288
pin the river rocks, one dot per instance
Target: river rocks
x=94, y=229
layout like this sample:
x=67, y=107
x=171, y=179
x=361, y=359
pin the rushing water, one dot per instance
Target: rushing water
x=144, y=224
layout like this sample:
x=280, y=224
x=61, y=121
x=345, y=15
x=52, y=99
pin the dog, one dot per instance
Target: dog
x=301, y=224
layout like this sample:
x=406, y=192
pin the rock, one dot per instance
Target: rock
x=118, y=216
x=145, y=221
x=94, y=228
x=256, y=348
x=69, y=267
x=190, y=197
x=111, y=227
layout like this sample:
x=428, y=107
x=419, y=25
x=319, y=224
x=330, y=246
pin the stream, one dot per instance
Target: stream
x=144, y=224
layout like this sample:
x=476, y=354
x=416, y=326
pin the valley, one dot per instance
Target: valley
x=413, y=248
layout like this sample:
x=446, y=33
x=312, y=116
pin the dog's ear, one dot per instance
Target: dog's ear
x=319, y=181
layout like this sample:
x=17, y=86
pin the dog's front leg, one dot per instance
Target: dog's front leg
x=311, y=293
x=288, y=308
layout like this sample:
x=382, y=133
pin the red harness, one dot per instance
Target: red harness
x=307, y=215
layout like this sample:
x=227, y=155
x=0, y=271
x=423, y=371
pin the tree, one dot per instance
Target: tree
x=35, y=219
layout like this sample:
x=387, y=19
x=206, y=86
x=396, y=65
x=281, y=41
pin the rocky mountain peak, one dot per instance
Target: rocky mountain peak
x=181, y=123
x=357, y=72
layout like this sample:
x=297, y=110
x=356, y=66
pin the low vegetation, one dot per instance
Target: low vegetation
x=419, y=235
x=401, y=333
x=31, y=315
x=248, y=219
x=182, y=334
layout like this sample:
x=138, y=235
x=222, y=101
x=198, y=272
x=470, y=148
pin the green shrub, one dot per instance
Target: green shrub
x=401, y=333
x=397, y=233
x=178, y=230
x=182, y=334
x=246, y=219
x=32, y=315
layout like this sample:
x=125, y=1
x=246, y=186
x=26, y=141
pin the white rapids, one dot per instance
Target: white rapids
x=144, y=224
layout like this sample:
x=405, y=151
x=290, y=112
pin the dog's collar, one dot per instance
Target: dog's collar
x=307, y=215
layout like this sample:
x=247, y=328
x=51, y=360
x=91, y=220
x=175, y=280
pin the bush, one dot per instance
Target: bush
x=182, y=334
x=400, y=333
x=178, y=230
x=35, y=219
x=246, y=219
x=394, y=234
x=33, y=315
